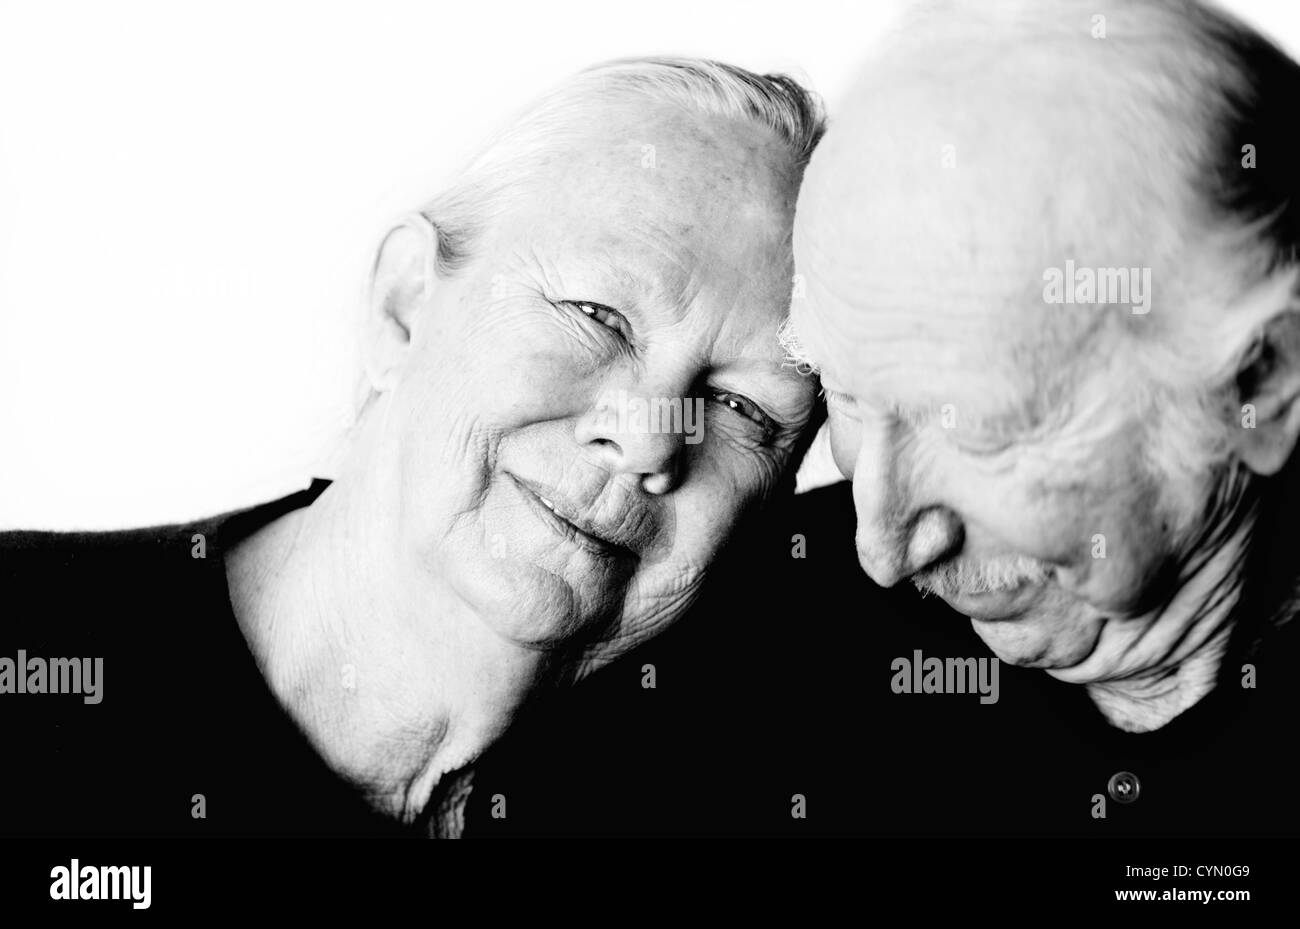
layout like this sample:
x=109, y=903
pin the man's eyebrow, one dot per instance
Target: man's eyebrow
x=795, y=354
x=1007, y=423
x=771, y=364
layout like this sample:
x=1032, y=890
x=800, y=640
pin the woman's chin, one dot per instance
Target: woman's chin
x=537, y=606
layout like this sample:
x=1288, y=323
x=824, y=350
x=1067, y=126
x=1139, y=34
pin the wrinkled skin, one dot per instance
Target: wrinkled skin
x=994, y=440
x=505, y=380
x=430, y=567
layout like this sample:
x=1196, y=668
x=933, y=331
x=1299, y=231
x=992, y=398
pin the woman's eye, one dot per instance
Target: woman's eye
x=746, y=408
x=602, y=314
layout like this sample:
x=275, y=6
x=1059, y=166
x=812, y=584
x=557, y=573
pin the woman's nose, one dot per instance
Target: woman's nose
x=637, y=434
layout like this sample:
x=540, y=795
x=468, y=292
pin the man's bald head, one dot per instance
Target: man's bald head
x=1012, y=137
x=1161, y=91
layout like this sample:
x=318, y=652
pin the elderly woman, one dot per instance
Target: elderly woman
x=504, y=520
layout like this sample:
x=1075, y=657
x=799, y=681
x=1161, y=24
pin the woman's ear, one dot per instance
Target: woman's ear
x=400, y=284
x=1269, y=389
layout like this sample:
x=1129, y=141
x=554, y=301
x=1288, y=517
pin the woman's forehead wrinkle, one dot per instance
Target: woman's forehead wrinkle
x=690, y=197
x=696, y=237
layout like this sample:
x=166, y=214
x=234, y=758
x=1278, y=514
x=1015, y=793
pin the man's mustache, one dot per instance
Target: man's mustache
x=952, y=578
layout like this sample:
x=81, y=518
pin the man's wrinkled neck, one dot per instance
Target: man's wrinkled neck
x=1206, y=609
x=1144, y=703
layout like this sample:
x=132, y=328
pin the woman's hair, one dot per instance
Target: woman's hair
x=481, y=190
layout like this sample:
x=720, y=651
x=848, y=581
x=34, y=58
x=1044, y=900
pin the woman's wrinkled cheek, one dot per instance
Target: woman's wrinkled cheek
x=666, y=537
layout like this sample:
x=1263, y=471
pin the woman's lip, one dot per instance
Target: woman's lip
x=584, y=540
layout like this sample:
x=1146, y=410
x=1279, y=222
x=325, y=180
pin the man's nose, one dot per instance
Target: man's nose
x=898, y=535
x=639, y=434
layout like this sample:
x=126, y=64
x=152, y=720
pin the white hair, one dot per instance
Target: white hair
x=1216, y=84
x=796, y=355
x=481, y=191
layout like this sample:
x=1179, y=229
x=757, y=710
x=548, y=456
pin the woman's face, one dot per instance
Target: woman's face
x=584, y=411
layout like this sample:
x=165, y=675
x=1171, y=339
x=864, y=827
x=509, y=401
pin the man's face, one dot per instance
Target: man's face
x=995, y=452
x=535, y=479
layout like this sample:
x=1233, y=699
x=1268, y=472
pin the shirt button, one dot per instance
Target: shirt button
x=1124, y=787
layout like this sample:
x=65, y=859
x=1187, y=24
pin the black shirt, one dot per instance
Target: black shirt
x=779, y=684
x=185, y=724
x=771, y=693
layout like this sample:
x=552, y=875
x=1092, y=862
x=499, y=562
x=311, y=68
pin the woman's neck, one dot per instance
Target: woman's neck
x=393, y=679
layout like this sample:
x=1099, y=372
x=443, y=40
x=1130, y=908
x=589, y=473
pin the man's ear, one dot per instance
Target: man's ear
x=1268, y=385
x=400, y=284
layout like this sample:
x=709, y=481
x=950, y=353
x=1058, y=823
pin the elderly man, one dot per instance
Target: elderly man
x=508, y=517
x=1082, y=477
x=1103, y=489
x=1051, y=268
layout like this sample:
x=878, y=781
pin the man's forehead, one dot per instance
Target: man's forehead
x=996, y=210
x=987, y=158
x=991, y=365
x=896, y=247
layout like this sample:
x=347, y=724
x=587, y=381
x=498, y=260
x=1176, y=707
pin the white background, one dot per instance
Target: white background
x=190, y=195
